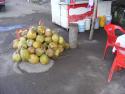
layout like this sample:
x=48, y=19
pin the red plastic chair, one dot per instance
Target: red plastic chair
x=111, y=36
x=119, y=61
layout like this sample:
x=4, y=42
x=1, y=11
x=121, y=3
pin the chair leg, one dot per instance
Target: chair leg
x=113, y=69
x=105, y=51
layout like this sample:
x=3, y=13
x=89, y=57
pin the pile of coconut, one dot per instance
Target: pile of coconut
x=38, y=44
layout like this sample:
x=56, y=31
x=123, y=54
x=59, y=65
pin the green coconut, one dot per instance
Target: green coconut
x=24, y=53
x=16, y=57
x=48, y=39
x=22, y=43
x=44, y=59
x=55, y=38
x=30, y=42
x=32, y=33
x=37, y=44
x=15, y=43
x=40, y=38
x=61, y=40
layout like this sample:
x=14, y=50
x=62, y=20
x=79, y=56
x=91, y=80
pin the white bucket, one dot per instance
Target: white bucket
x=108, y=19
x=87, y=24
x=81, y=26
x=96, y=23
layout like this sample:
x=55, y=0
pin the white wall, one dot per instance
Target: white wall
x=104, y=8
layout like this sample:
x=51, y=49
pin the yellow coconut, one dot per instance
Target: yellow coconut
x=48, y=39
x=30, y=42
x=34, y=59
x=41, y=29
x=40, y=38
x=52, y=45
x=22, y=39
x=16, y=57
x=37, y=44
x=15, y=43
x=55, y=38
x=31, y=33
x=57, y=52
x=61, y=48
x=24, y=53
x=22, y=43
x=44, y=59
x=61, y=40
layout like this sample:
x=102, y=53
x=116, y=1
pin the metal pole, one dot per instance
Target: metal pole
x=93, y=20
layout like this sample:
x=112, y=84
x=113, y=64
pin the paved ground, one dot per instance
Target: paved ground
x=16, y=8
x=78, y=71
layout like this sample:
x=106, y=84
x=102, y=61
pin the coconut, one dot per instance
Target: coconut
x=44, y=47
x=57, y=52
x=39, y=51
x=30, y=42
x=24, y=53
x=15, y=43
x=31, y=34
x=52, y=45
x=22, y=43
x=41, y=29
x=55, y=38
x=16, y=57
x=48, y=32
x=44, y=59
x=24, y=33
x=60, y=47
x=31, y=50
x=61, y=40
x=33, y=28
x=50, y=52
x=34, y=59
x=36, y=44
x=48, y=39
x=22, y=39
x=40, y=38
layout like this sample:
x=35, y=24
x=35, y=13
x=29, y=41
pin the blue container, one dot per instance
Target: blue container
x=108, y=19
x=96, y=23
x=81, y=26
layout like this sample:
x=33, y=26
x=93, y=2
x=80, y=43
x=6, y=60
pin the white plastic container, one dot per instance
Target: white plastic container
x=108, y=19
x=87, y=24
x=81, y=26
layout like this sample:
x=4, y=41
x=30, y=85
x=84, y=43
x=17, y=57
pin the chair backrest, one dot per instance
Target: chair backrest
x=119, y=48
x=110, y=30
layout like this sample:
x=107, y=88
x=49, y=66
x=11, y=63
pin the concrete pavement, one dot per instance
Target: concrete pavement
x=78, y=71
